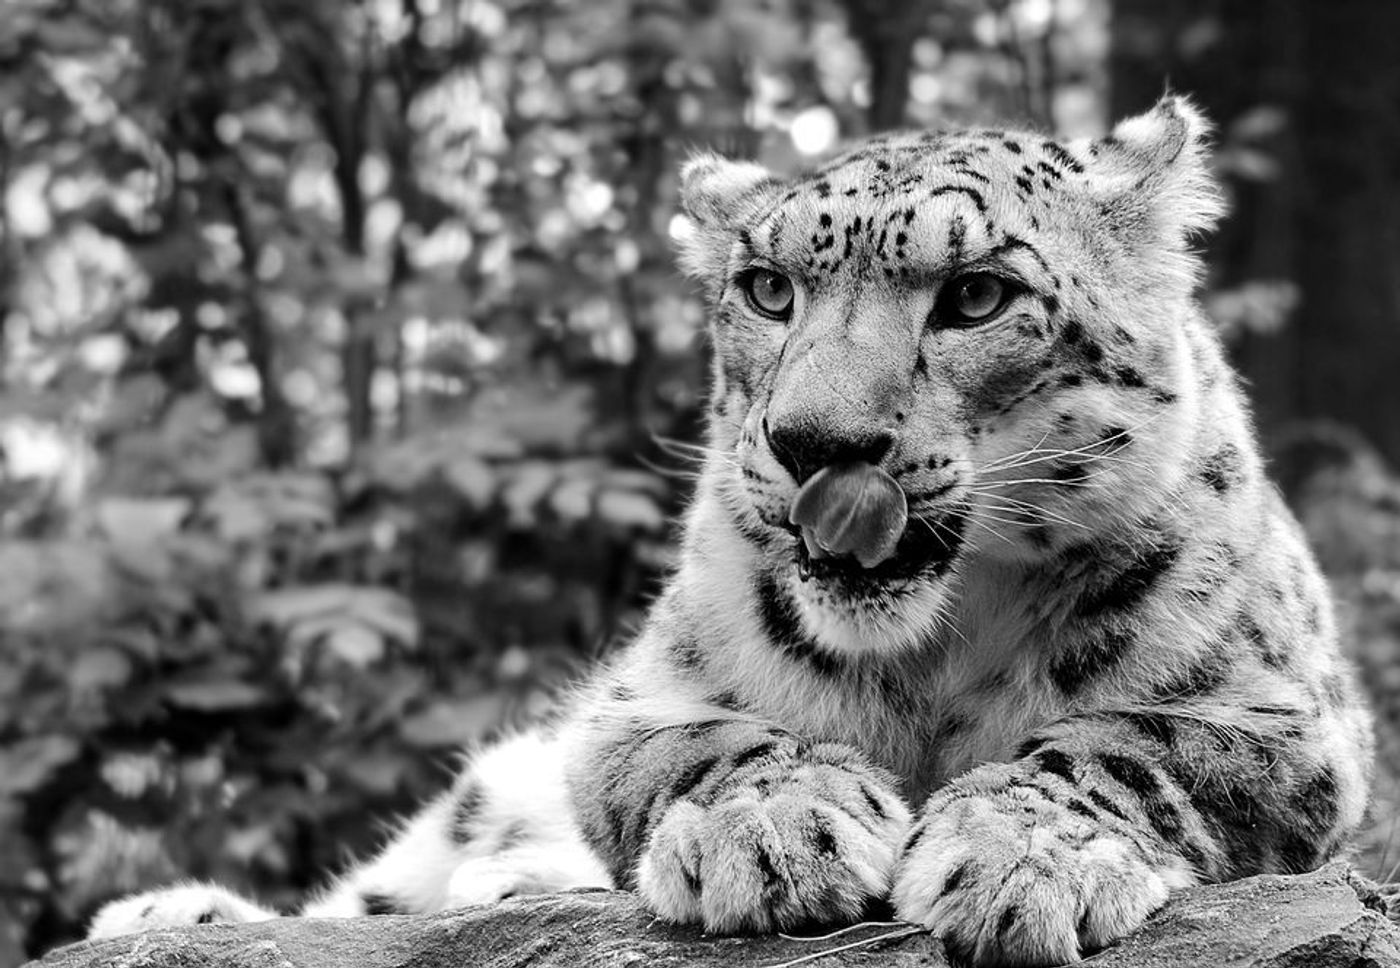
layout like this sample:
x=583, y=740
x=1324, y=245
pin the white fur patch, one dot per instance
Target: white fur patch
x=524, y=839
x=172, y=907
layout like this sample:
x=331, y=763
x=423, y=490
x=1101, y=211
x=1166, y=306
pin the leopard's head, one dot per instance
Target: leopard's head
x=940, y=351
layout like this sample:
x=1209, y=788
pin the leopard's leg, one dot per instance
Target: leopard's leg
x=504, y=828
x=734, y=824
x=1075, y=843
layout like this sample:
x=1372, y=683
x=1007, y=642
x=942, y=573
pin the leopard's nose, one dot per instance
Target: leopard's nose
x=803, y=448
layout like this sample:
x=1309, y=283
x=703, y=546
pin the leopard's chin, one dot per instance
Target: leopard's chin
x=890, y=608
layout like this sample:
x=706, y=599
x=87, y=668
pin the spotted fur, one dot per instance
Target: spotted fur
x=1099, y=665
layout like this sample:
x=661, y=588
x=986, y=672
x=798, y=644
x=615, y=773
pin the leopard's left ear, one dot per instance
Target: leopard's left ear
x=719, y=196
x=1153, y=172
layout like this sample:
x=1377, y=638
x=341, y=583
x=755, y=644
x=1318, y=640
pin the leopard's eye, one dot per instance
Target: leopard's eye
x=973, y=298
x=769, y=292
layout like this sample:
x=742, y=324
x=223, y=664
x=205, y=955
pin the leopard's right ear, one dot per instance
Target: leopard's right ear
x=718, y=197
x=1153, y=173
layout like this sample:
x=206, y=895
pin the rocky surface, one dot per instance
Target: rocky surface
x=1320, y=920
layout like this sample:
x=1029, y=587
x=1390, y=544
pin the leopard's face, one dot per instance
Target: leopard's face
x=925, y=310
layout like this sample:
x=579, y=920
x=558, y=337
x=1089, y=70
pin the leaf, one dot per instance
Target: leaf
x=359, y=646
x=454, y=722
x=388, y=612
x=140, y=642
x=1263, y=121
x=196, y=553
x=40, y=405
x=488, y=442
x=130, y=775
x=306, y=632
x=256, y=842
x=250, y=508
x=573, y=500
x=541, y=417
x=148, y=561
x=375, y=772
x=628, y=509
x=1249, y=164
x=402, y=466
x=357, y=278
x=433, y=297
x=124, y=519
x=132, y=402
x=473, y=480
x=70, y=37
x=216, y=696
x=136, y=529
x=378, y=608
x=99, y=668
x=648, y=482
x=356, y=617
x=527, y=487
x=26, y=764
x=49, y=585
x=16, y=25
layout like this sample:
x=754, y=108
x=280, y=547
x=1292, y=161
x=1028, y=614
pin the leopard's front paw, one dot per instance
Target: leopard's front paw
x=174, y=907
x=1011, y=881
x=755, y=862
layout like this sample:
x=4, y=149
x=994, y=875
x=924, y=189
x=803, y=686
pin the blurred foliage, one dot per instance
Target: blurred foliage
x=347, y=390
x=341, y=354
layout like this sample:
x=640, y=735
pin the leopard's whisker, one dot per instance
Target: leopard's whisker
x=842, y=931
x=1087, y=449
x=906, y=932
x=1025, y=507
x=1077, y=456
x=981, y=523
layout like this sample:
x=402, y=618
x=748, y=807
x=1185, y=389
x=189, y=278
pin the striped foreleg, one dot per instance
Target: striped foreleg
x=736, y=825
x=1078, y=840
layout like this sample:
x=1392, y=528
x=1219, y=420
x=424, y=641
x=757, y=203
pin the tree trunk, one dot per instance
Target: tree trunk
x=886, y=31
x=1348, y=218
x=344, y=86
x=277, y=428
x=1328, y=219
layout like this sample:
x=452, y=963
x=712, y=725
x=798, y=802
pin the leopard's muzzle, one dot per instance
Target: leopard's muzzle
x=854, y=527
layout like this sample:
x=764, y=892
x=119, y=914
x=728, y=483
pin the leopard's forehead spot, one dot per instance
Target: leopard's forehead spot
x=913, y=204
x=882, y=162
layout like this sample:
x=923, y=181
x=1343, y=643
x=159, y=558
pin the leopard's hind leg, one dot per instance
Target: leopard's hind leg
x=504, y=828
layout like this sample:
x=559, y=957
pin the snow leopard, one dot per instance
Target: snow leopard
x=984, y=608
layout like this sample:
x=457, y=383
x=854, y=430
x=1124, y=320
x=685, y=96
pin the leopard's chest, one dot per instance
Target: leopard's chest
x=985, y=706
x=970, y=699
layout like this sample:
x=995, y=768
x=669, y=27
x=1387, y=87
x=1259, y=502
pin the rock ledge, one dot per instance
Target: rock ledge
x=1320, y=920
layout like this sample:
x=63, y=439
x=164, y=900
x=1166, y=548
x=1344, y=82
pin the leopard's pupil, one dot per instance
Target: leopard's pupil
x=979, y=296
x=772, y=291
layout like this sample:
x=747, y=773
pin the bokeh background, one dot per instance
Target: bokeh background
x=346, y=382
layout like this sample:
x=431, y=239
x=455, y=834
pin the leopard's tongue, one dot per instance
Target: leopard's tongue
x=850, y=509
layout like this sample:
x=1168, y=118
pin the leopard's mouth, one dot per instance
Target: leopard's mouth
x=926, y=549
